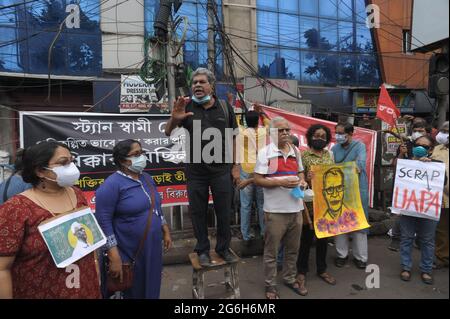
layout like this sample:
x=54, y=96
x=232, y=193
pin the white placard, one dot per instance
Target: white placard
x=72, y=236
x=418, y=189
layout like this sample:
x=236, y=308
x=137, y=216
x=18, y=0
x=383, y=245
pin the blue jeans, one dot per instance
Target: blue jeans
x=247, y=195
x=426, y=231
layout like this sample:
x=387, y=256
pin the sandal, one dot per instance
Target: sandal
x=405, y=275
x=328, y=278
x=427, y=278
x=272, y=293
x=297, y=288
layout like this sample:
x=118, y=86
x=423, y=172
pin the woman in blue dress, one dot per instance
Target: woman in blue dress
x=122, y=209
x=349, y=150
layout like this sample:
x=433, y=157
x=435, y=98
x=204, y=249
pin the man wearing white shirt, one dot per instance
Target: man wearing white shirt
x=279, y=170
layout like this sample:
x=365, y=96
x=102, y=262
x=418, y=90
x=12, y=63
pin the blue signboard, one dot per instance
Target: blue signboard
x=28, y=27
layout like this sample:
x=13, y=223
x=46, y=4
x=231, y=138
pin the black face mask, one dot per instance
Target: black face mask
x=318, y=144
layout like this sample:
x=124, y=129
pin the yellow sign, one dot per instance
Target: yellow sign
x=337, y=202
x=370, y=100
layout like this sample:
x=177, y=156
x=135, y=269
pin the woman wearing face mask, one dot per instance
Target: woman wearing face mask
x=27, y=269
x=349, y=150
x=440, y=153
x=423, y=227
x=123, y=205
x=318, y=137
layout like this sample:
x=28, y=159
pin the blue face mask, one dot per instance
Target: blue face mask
x=419, y=151
x=341, y=138
x=203, y=100
x=137, y=164
x=298, y=193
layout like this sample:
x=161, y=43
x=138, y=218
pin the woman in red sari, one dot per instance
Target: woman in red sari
x=27, y=269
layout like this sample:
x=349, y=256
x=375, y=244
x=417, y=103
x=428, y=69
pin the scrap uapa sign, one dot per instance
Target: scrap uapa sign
x=418, y=189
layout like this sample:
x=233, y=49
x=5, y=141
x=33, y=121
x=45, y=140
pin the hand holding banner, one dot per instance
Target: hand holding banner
x=418, y=189
x=337, y=203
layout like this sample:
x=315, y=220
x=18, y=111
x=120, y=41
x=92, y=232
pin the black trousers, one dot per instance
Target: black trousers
x=305, y=246
x=222, y=193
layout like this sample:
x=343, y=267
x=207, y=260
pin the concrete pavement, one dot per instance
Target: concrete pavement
x=351, y=282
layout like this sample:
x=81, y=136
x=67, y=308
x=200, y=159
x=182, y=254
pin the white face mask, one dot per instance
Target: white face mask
x=442, y=138
x=137, y=163
x=66, y=175
x=416, y=135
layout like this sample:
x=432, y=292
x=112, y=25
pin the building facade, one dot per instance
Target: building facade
x=324, y=45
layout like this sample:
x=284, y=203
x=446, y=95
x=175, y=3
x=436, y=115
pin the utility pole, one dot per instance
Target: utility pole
x=211, y=42
x=442, y=100
x=170, y=66
x=176, y=211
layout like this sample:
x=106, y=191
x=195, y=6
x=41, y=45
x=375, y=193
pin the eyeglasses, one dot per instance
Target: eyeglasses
x=64, y=162
x=281, y=130
x=332, y=189
x=135, y=154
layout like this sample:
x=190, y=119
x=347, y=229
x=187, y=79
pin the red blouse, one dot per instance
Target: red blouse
x=34, y=273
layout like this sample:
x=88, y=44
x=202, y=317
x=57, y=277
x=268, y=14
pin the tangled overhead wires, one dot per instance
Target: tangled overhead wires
x=153, y=70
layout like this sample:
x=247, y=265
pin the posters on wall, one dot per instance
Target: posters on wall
x=136, y=96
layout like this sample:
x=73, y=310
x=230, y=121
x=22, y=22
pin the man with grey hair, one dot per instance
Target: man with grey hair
x=82, y=246
x=204, y=112
x=279, y=170
x=440, y=153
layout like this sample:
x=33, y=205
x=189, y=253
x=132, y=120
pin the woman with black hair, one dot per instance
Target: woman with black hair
x=423, y=228
x=318, y=138
x=123, y=205
x=27, y=269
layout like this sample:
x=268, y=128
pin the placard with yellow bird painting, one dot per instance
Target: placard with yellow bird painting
x=337, y=202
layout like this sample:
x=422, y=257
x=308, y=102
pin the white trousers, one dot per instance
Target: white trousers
x=359, y=245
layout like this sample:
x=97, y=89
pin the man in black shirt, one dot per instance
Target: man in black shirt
x=209, y=160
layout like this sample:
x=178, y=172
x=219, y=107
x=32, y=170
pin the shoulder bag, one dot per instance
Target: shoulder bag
x=114, y=284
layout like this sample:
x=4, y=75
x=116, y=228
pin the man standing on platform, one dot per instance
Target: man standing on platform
x=210, y=163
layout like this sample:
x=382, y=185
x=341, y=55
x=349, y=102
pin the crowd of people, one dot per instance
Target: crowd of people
x=271, y=171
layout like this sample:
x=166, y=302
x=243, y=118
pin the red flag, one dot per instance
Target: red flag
x=386, y=109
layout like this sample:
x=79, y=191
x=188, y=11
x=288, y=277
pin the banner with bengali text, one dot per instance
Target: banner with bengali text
x=92, y=136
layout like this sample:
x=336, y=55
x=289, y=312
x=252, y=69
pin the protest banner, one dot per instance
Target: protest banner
x=418, y=189
x=390, y=144
x=337, y=202
x=92, y=136
x=301, y=123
